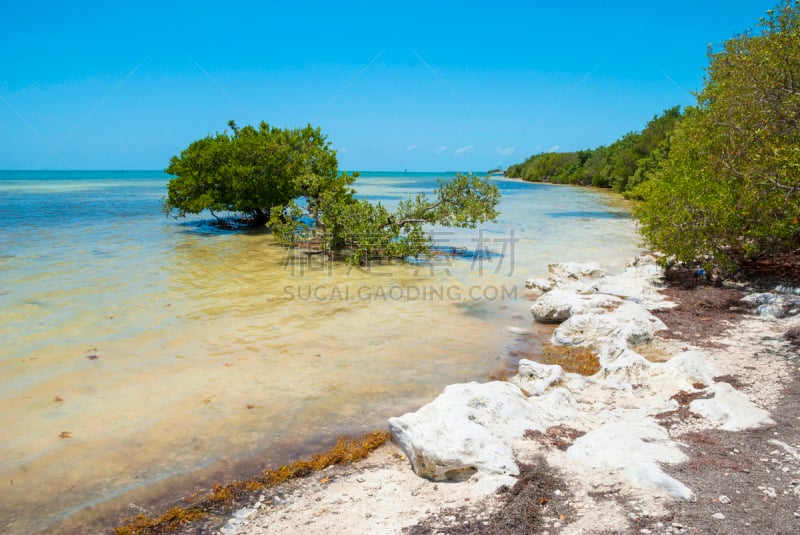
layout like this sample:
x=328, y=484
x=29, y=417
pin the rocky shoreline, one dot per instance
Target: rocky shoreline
x=555, y=452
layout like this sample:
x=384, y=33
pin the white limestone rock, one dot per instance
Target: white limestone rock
x=692, y=366
x=585, y=329
x=574, y=276
x=730, y=409
x=625, y=368
x=770, y=305
x=634, y=450
x=469, y=428
x=791, y=290
x=632, y=323
x=556, y=406
x=539, y=285
x=558, y=305
x=536, y=378
x=631, y=282
x=576, y=271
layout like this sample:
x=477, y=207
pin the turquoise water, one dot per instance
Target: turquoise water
x=144, y=356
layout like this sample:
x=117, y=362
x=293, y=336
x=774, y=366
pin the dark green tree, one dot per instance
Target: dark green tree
x=249, y=171
x=334, y=221
x=729, y=191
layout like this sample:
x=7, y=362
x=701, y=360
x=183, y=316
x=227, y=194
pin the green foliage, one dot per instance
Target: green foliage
x=621, y=165
x=248, y=172
x=729, y=190
x=289, y=179
x=333, y=220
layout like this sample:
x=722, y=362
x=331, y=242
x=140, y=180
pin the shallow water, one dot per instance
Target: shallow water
x=139, y=351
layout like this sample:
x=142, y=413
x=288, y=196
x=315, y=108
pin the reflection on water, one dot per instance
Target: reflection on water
x=138, y=351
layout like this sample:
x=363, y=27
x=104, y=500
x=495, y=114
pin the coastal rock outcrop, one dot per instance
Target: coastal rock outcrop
x=467, y=429
x=536, y=378
x=473, y=429
x=540, y=285
x=558, y=305
x=575, y=271
x=632, y=323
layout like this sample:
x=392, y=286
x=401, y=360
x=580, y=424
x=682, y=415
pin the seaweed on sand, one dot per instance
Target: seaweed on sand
x=225, y=496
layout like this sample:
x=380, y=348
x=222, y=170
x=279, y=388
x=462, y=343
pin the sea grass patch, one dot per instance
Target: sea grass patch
x=573, y=359
x=558, y=436
x=223, y=498
x=701, y=313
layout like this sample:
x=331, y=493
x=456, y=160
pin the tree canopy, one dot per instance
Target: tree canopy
x=621, y=165
x=729, y=191
x=248, y=172
x=289, y=180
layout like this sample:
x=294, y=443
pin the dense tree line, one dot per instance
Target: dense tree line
x=729, y=192
x=720, y=182
x=621, y=165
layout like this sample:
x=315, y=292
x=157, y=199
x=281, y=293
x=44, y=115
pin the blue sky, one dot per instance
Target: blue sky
x=395, y=85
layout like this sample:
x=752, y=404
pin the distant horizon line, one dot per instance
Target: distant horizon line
x=162, y=171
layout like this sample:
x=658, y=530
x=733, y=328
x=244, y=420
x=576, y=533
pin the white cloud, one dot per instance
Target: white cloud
x=505, y=151
x=466, y=148
x=412, y=147
x=554, y=148
x=441, y=149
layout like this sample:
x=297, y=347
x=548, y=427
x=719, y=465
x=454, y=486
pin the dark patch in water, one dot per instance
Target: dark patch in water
x=476, y=309
x=102, y=254
x=211, y=227
x=588, y=214
x=445, y=254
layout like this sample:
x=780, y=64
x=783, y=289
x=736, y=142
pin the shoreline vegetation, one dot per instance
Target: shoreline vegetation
x=717, y=183
x=620, y=166
x=717, y=193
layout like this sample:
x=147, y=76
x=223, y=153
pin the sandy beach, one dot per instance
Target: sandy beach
x=703, y=438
